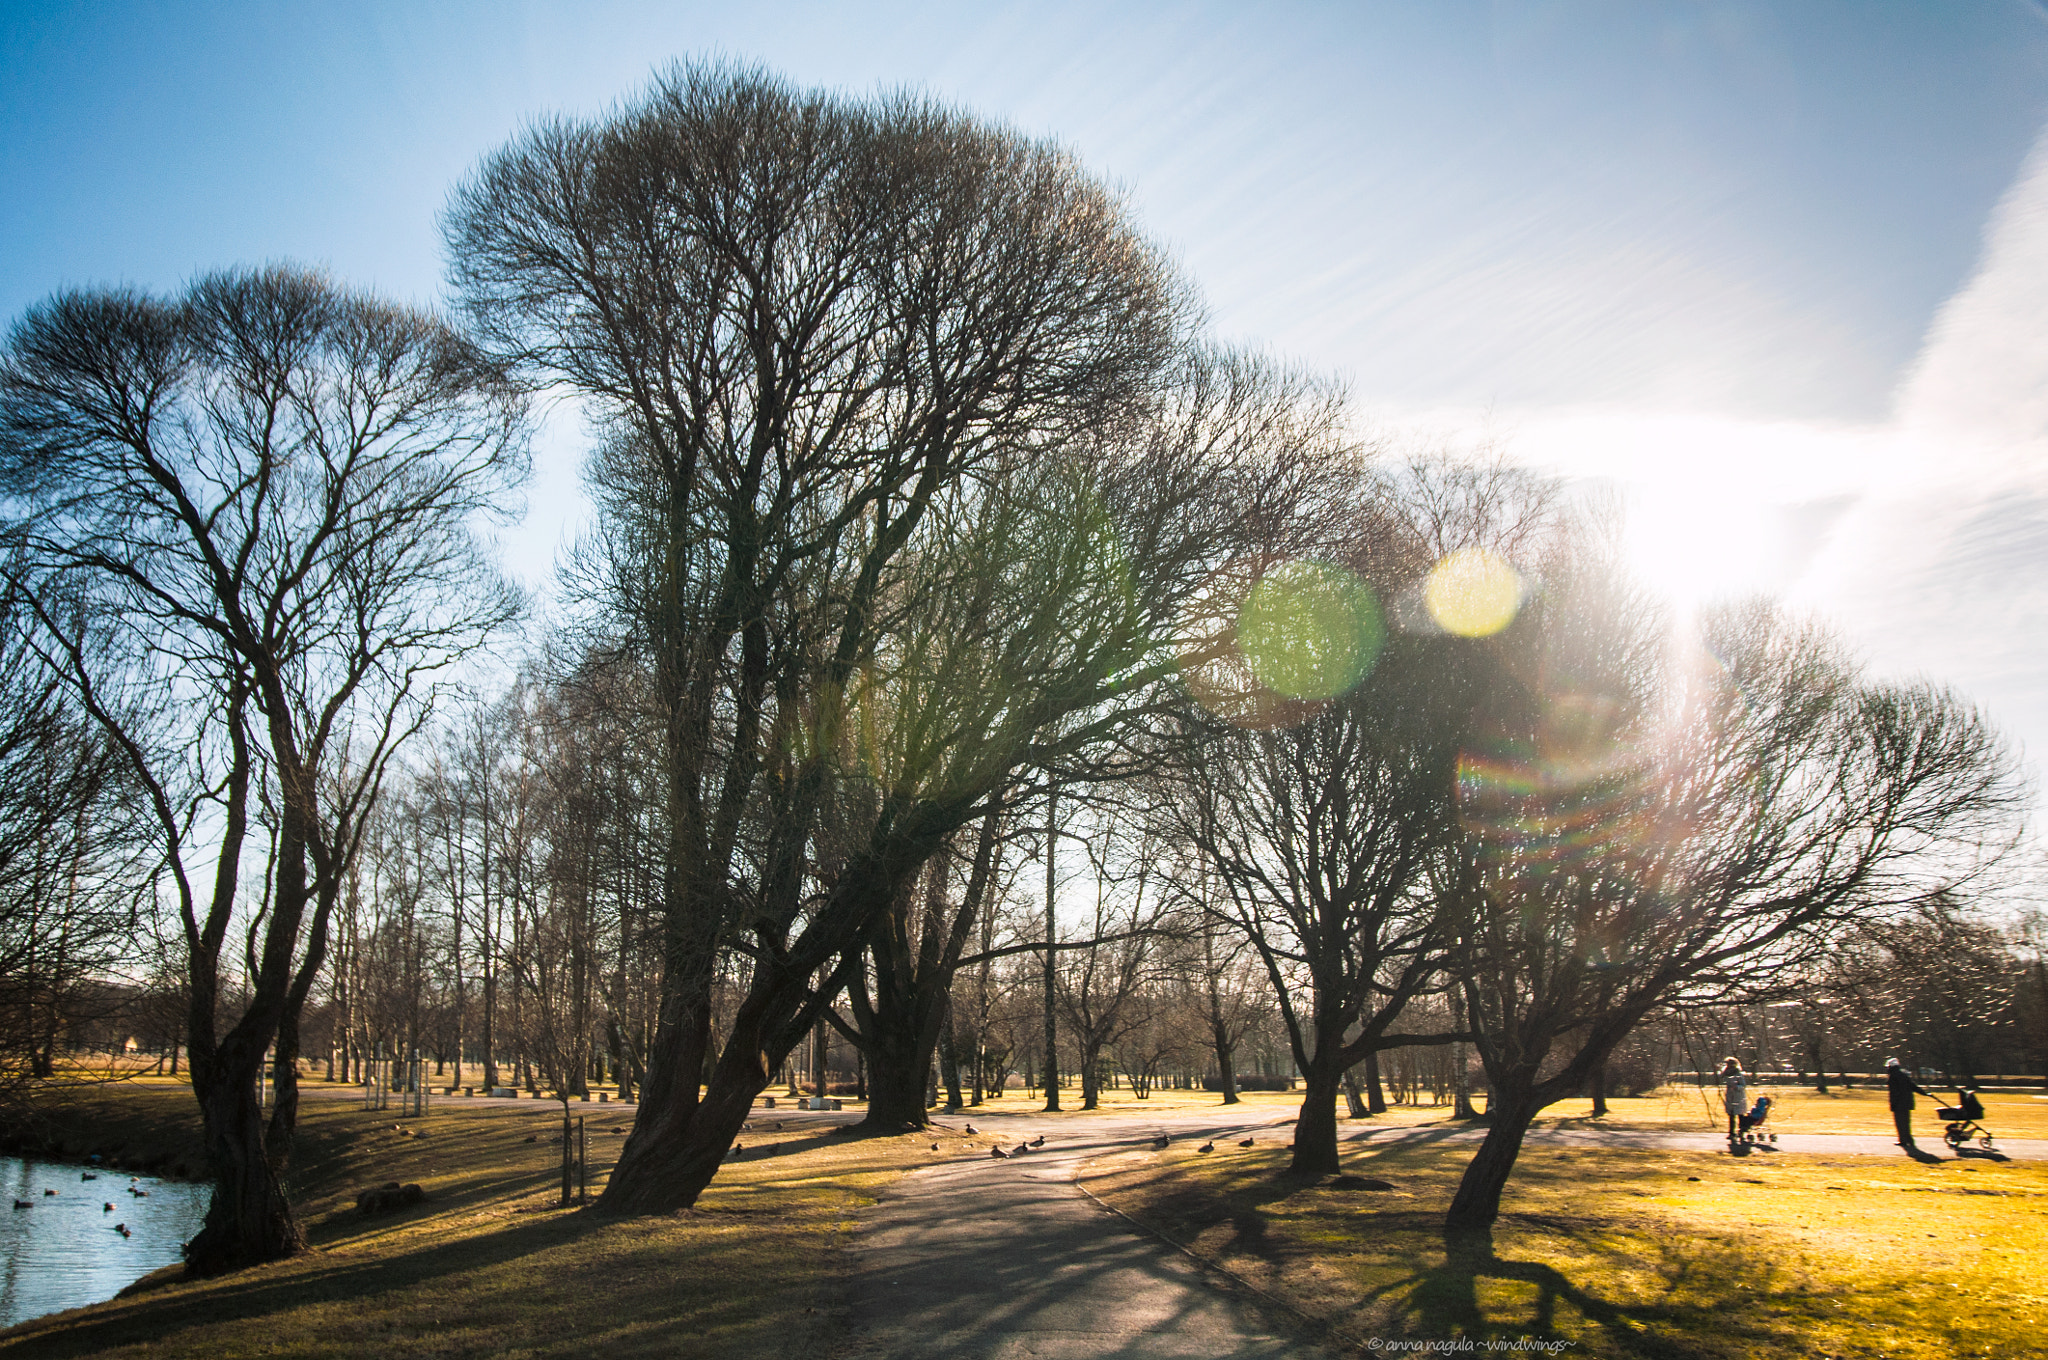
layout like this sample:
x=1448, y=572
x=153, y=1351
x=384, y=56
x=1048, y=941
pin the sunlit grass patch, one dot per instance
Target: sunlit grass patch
x=1800, y=1109
x=1625, y=1253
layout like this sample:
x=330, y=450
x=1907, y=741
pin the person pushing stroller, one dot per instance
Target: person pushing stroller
x=1734, y=1095
x=1899, y=1088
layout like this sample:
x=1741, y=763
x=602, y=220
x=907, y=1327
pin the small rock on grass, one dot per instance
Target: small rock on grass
x=389, y=1196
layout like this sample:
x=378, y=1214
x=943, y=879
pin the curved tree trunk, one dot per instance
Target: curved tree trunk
x=1476, y=1204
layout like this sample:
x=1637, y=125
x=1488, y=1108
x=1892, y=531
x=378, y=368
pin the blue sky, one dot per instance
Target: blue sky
x=1765, y=267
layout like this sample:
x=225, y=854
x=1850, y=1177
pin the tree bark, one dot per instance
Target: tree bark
x=1476, y=1204
x=896, y=1076
x=249, y=1220
x=1375, y=1098
x=1315, y=1128
x=1599, y=1085
x=949, y=1060
x=1052, y=1038
x=1225, y=1065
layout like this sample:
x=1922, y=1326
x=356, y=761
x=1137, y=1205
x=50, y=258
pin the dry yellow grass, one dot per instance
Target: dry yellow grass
x=1626, y=1253
x=490, y=1266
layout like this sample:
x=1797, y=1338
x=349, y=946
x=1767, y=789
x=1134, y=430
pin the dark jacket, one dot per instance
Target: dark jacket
x=1901, y=1087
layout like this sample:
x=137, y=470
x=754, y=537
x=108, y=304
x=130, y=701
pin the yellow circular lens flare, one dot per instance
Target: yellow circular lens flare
x=1473, y=592
x=1309, y=630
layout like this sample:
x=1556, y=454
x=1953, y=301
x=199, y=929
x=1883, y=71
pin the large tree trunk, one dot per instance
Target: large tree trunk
x=672, y=1153
x=1315, y=1129
x=250, y=1220
x=1477, y=1203
x=898, y=1066
x=675, y=1150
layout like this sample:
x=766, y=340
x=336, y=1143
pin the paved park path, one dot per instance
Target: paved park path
x=999, y=1260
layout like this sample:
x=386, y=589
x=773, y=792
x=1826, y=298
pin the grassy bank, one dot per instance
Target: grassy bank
x=1628, y=1253
x=490, y=1265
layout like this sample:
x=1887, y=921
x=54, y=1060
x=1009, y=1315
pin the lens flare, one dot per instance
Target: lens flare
x=1310, y=630
x=1473, y=592
x=1562, y=794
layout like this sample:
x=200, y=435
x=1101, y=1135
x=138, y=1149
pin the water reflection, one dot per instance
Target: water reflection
x=63, y=1250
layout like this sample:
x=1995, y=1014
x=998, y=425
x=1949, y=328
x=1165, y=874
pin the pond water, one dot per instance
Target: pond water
x=63, y=1250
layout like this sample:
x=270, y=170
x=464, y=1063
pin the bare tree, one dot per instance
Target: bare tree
x=1108, y=989
x=837, y=347
x=900, y=1001
x=247, y=541
x=74, y=865
x=1932, y=985
x=1647, y=832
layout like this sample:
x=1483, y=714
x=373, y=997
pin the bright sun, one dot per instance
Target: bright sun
x=1695, y=546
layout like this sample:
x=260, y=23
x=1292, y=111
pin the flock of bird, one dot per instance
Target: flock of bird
x=996, y=1151
x=134, y=1189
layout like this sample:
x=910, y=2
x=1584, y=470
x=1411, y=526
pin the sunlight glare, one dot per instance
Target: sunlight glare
x=1694, y=546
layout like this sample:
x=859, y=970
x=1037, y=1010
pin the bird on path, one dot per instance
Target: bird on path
x=1246, y=1143
x=935, y=1147
x=971, y=1128
x=734, y=1155
x=122, y=1228
x=88, y=1176
x=1206, y=1147
x=107, y=1208
x=1021, y=1149
x=48, y=1193
x=993, y=1152
x=21, y=1204
x=1161, y=1141
x=1039, y=1141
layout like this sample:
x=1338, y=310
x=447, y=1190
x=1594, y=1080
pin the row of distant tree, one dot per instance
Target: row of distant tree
x=959, y=616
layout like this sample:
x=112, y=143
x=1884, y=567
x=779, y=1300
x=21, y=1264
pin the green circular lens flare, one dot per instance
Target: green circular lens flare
x=1310, y=630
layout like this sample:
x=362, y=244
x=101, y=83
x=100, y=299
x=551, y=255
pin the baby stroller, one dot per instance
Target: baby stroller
x=1962, y=1120
x=1753, y=1127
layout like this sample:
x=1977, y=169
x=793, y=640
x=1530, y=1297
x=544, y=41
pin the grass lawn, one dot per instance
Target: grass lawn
x=490, y=1266
x=1620, y=1252
x=1671, y=1109
x=1628, y=1253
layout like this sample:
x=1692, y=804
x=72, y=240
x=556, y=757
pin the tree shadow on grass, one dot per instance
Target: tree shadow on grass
x=1706, y=1306
x=159, y=1314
